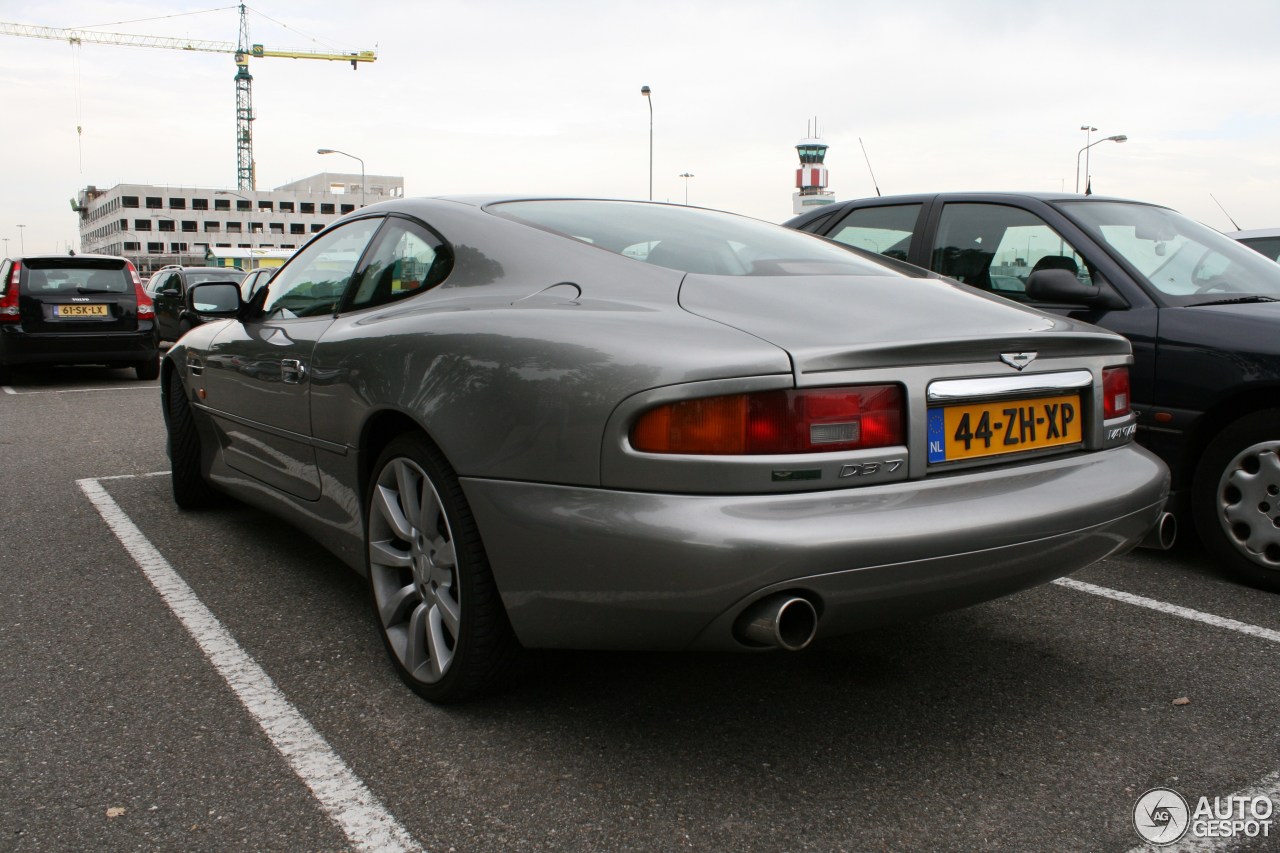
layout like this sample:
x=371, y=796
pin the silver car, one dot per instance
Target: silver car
x=616, y=425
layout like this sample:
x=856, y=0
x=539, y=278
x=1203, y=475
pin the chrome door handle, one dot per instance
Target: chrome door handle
x=292, y=371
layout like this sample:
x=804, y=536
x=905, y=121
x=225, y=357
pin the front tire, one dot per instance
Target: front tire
x=1236, y=499
x=190, y=489
x=434, y=598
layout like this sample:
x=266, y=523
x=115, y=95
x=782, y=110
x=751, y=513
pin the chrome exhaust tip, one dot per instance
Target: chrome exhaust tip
x=783, y=621
x=1161, y=536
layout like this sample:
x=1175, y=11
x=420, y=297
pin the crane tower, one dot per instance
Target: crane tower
x=243, y=49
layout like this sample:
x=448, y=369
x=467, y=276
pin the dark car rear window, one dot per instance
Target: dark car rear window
x=58, y=276
x=213, y=275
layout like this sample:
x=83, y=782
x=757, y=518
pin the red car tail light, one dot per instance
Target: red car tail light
x=146, y=308
x=815, y=420
x=1115, y=392
x=9, y=296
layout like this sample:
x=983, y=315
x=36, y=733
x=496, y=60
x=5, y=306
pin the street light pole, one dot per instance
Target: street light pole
x=1087, y=131
x=1119, y=137
x=648, y=96
x=686, y=176
x=22, y=240
x=353, y=157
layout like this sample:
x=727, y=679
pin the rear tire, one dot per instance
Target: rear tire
x=1236, y=499
x=148, y=370
x=6, y=374
x=434, y=599
x=190, y=489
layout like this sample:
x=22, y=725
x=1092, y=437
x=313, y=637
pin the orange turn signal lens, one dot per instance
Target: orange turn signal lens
x=811, y=420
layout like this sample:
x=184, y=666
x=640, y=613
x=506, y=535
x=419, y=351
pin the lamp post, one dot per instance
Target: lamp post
x=22, y=241
x=353, y=157
x=648, y=96
x=1119, y=137
x=6, y=246
x=686, y=176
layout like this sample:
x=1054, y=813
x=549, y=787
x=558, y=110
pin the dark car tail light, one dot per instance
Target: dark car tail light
x=1115, y=392
x=146, y=308
x=812, y=420
x=9, y=296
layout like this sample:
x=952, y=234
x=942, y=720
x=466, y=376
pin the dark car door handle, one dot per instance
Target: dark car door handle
x=292, y=371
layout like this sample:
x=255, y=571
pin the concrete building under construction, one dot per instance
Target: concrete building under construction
x=158, y=225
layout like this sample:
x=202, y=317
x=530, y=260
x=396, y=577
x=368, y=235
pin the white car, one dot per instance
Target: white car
x=1265, y=241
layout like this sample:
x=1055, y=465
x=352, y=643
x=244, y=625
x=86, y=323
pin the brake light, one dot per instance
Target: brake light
x=9, y=297
x=813, y=420
x=146, y=309
x=1115, y=392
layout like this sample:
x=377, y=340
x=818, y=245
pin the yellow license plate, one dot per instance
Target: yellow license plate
x=1007, y=426
x=81, y=311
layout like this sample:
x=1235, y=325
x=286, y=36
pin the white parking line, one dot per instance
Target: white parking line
x=1172, y=609
x=1268, y=786
x=342, y=795
x=10, y=390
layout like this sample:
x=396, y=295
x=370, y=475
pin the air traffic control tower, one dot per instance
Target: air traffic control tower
x=811, y=177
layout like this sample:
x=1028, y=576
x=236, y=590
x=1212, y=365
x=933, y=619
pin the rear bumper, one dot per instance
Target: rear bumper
x=21, y=347
x=591, y=568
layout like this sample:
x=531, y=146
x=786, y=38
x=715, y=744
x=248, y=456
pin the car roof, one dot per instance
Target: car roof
x=993, y=195
x=63, y=256
x=1253, y=232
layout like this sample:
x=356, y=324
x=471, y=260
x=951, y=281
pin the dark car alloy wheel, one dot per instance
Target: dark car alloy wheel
x=1237, y=498
x=433, y=595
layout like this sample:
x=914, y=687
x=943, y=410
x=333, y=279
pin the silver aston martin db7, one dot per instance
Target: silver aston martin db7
x=618, y=425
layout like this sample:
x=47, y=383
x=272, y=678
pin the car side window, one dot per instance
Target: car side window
x=884, y=229
x=995, y=247
x=312, y=283
x=406, y=259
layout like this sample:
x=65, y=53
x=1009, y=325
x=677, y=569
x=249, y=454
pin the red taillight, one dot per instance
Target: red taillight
x=1115, y=392
x=817, y=420
x=9, y=297
x=146, y=309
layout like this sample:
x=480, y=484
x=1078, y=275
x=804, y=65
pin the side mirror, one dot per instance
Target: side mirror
x=215, y=298
x=1062, y=286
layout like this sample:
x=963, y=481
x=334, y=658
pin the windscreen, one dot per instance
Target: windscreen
x=691, y=239
x=61, y=276
x=1182, y=259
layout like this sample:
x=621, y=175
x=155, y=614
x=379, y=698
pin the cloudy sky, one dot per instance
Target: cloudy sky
x=524, y=97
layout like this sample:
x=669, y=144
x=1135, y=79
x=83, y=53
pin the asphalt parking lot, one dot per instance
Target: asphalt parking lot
x=213, y=682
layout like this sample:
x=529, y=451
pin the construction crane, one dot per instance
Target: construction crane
x=243, y=50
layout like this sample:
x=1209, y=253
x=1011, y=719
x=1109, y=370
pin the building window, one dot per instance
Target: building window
x=189, y=225
x=347, y=208
x=266, y=205
x=128, y=201
x=297, y=228
x=222, y=245
x=212, y=226
x=317, y=228
x=326, y=209
x=142, y=225
x=233, y=227
x=255, y=227
x=154, y=202
x=242, y=204
x=307, y=207
x=155, y=248
x=199, y=204
x=287, y=246
x=222, y=204
x=131, y=247
x=177, y=204
x=286, y=207
x=167, y=225
x=177, y=247
x=277, y=227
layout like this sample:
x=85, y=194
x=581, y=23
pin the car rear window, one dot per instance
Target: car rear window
x=201, y=277
x=690, y=239
x=56, y=277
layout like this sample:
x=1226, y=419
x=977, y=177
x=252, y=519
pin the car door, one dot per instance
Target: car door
x=886, y=229
x=996, y=247
x=257, y=374
x=167, y=299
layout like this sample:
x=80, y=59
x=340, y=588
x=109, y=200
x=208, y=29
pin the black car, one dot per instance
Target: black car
x=75, y=309
x=1201, y=310
x=169, y=285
